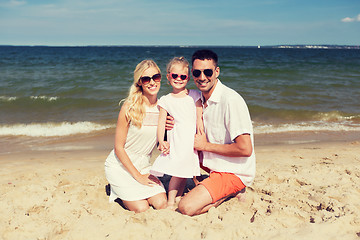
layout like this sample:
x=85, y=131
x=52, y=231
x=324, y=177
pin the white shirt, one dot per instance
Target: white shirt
x=226, y=117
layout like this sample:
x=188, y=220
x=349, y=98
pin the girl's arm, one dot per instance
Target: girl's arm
x=199, y=119
x=122, y=128
x=163, y=145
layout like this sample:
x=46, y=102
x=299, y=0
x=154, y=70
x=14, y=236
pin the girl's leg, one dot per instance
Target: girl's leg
x=176, y=189
x=137, y=206
x=159, y=201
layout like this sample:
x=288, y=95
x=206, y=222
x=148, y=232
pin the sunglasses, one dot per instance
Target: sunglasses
x=207, y=72
x=175, y=76
x=146, y=79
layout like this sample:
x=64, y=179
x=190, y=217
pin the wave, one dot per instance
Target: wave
x=7, y=99
x=304, y=126
x=261, y=113
x=68, y=128
x=42, y=98
x=337, y=116
x=45, y=98
x=51, y=129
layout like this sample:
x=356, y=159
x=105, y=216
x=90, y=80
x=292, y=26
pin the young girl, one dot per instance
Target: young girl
x=127, y=166
x=178, y=157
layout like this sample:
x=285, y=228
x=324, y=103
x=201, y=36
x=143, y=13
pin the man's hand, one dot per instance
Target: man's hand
x=169, y=124
x=200, y=141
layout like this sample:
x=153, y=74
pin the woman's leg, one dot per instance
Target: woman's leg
x=158, y=201
x=137, y=206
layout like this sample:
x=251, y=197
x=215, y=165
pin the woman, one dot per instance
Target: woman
x=127, y=166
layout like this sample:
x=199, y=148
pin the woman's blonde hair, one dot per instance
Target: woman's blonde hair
x=135, y=100
x=177, y=60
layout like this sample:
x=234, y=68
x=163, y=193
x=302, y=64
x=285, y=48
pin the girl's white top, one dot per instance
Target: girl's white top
x=182, y=161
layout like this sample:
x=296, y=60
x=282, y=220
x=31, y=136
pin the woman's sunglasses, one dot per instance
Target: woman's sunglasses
x=146, y=79
x=207, y=72
x=175, y=76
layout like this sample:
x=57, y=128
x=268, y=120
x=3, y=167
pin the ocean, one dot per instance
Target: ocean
x=62, y=91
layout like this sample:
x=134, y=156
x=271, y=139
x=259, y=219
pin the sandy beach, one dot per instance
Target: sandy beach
x=305, y=188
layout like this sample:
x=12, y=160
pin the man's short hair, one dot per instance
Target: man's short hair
x=205, y=54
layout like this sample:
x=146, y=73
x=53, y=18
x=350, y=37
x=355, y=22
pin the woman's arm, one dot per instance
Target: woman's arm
x=122, y=128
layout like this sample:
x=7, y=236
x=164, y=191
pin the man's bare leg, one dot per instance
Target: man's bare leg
x=196, y=202
x=199, y=201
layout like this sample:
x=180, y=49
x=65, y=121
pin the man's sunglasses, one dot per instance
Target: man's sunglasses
x=207, y=72
x=175, y=76
x=146, y=79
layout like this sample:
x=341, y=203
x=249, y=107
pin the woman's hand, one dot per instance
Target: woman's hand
x=148, y=180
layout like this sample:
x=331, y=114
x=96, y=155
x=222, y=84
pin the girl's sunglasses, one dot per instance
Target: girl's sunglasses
x=207, y=72
x=146, y=79
x=175, y=76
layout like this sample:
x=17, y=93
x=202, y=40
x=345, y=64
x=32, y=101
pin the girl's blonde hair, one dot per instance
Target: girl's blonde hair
x=177, y=60
x=136, y=110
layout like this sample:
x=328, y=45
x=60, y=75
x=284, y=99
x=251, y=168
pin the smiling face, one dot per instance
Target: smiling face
x=205, y=83
x=178, y=71
x=152, y=88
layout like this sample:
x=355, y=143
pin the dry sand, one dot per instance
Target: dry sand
x=56, y=190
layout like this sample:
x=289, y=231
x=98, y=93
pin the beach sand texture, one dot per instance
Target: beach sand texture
x=301, y=191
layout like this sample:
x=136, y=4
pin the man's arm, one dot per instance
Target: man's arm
x=241, y=147
x=169, y=124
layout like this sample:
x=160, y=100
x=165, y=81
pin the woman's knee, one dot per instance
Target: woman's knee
x=137, y=207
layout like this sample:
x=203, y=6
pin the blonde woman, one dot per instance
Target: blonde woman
x=127, y=166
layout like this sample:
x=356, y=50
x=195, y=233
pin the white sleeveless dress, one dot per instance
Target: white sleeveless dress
x=139, y=145
x=182, y=161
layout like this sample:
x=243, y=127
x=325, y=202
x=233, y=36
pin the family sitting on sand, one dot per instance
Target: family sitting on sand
x=223, y=145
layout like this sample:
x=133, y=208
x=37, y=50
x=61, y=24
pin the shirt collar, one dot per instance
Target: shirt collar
x=216, y=94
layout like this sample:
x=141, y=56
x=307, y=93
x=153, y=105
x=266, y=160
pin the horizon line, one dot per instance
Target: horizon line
x=169, y=45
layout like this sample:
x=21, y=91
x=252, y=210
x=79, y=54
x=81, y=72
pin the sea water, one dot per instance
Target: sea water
x=60, y=91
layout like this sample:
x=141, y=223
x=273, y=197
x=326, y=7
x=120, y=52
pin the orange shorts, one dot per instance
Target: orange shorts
x=222, y=184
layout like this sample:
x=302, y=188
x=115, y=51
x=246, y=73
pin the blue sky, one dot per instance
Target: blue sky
x=182, y=22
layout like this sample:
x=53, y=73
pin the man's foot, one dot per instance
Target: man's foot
x=241, y=196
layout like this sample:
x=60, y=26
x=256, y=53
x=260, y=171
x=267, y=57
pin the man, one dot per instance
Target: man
x=227, y=143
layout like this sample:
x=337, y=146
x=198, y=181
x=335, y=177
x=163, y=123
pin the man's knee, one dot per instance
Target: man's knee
x=186, y=208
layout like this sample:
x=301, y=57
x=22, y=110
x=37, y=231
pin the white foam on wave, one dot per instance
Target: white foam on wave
x=335, y=116
x=7, y=99
x=297, y=127
x=68, y=128
x=45, y=98
x=51, y=129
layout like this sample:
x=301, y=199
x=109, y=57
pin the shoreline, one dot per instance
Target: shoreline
x=104, y=141
x=55, y=189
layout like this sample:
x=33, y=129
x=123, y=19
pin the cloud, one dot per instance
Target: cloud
x=12, y=3
x=349, y=19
